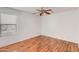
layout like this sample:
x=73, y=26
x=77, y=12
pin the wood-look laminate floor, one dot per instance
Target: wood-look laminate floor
x=41, y=44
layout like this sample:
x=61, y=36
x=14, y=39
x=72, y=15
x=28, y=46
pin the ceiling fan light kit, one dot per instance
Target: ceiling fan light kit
x=43, y=11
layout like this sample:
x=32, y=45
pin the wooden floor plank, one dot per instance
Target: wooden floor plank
x=41, y=44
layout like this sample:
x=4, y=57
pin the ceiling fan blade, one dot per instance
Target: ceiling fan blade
x=47, y=12
x=50, y=11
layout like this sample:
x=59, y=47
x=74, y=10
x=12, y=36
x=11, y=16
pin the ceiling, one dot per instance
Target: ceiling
x=33, y=9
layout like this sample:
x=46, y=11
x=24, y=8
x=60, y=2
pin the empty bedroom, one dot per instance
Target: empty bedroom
x=39, y=29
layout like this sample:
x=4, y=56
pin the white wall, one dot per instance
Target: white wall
x=28, y=26
x=78, y=26
x=63, y=25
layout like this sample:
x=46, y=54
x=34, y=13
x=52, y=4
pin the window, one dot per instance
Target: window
x=8, y=24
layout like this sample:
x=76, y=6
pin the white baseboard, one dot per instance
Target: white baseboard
x=61, y=38
x=14, y=39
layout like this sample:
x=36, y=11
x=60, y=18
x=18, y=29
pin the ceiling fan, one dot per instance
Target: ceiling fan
x=43, y=11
